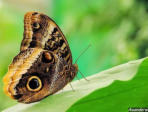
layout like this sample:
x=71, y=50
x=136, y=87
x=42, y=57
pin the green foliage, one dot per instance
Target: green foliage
x=118, y=97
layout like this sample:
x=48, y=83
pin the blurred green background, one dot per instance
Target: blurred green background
x=116, y=29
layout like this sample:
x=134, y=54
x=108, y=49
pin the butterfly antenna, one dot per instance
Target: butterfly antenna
x=83, y=75
x=79, y=57
x=82, y=53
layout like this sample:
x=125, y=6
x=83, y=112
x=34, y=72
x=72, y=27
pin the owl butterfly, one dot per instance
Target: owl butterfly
x=44, y=64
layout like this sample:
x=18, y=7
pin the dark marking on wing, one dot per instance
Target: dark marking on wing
x=18, y=96
x=35, y=43
x=35, y=13
x=61, y=42
x=65, y=52
x=52, y=38
x=68, y=59
x=54, y=30
x=52, y=46
x=33, y=38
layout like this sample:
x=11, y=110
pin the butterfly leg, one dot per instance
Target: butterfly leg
x=71, y=87
x=83, y=75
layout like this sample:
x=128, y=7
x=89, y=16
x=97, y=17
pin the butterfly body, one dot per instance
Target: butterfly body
x=44, y=64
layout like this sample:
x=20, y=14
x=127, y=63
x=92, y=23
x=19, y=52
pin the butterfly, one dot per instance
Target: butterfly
x=44, y=63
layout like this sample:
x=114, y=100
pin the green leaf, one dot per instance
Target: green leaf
x=118, y=97
x=102, y=92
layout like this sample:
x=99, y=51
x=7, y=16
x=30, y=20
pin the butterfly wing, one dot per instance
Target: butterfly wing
x=35, y=74
x=40, y=31
x=44, y=64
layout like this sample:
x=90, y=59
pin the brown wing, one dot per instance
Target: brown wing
x=40, y=31
x=44, y=74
